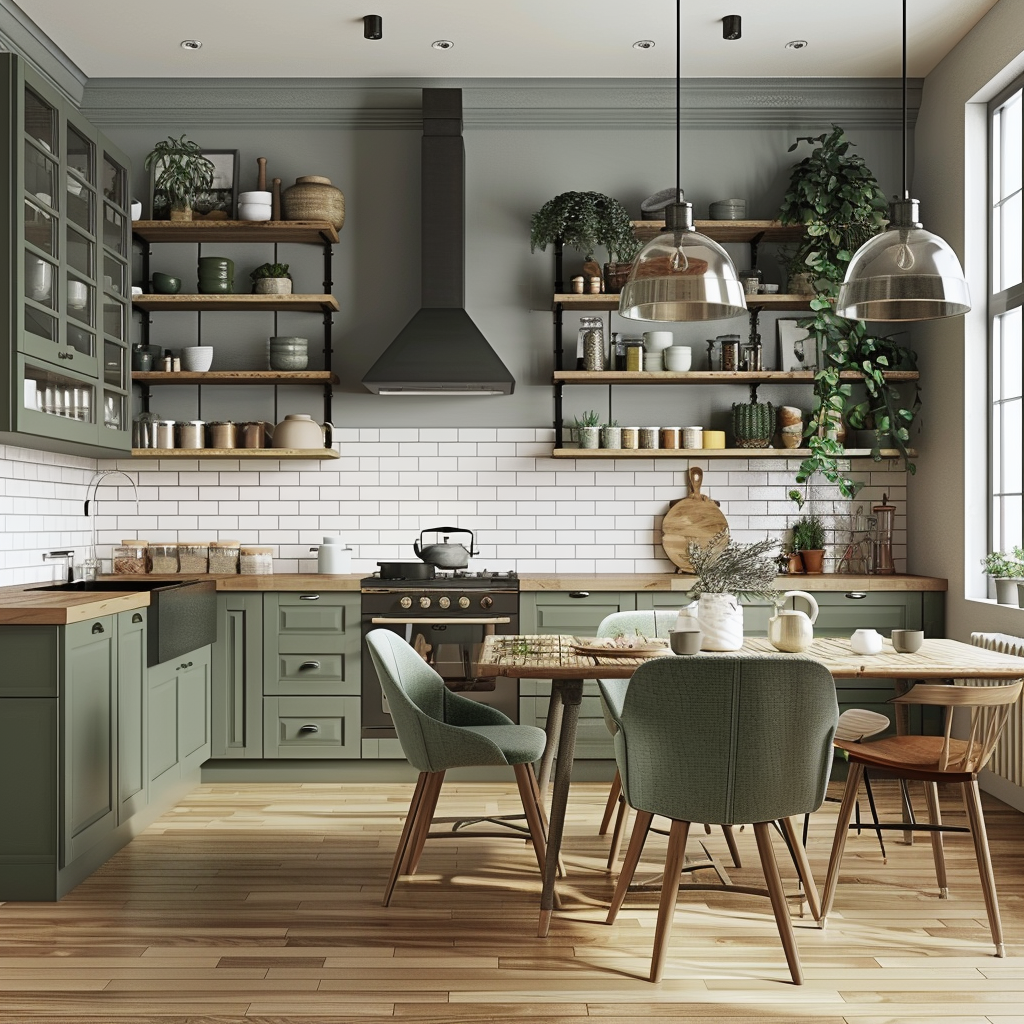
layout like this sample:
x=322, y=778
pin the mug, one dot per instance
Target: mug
x=685, y=641
x=907, y=641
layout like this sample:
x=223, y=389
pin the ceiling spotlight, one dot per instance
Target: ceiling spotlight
x=644, y=44
x=373, y=26
x=731, y=28
x=191, y=44
x=796, y=44
x=442, y=44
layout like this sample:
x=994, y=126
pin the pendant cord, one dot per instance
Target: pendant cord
x=906, y=193
x=679, y=175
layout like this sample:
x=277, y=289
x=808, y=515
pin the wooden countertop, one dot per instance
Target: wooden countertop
x=26, y=605
x=668, y=581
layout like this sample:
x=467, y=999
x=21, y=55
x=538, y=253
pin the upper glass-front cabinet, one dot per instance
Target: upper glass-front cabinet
x=67, y=234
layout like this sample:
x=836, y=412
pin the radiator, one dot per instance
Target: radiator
x=1008, y=759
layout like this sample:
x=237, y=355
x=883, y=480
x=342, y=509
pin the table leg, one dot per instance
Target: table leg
x=900, y=687
x=552, y=726
x=570, y=694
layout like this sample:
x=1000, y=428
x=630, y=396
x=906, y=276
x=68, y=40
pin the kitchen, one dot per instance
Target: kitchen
x=485, y=463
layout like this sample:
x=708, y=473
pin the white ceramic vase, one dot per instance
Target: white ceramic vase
x=721, y=621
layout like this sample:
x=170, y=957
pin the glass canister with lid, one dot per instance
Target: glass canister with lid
x=256, y=561
x=591, y=343
x=130, y=557
x=193, y=557
x=163, y=558
x=224, y=556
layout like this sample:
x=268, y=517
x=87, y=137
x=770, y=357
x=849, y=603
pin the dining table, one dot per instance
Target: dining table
x=567, y=661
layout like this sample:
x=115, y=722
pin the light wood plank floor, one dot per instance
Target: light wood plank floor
x=261, y=903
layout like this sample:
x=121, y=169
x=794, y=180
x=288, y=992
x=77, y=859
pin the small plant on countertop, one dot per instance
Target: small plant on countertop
x=725, y=566
x=591, y=418
x=809, y=534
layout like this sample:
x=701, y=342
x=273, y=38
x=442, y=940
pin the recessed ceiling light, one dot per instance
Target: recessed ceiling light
x=644, y=44
x=442, y=44
x=796, y=44
x=191, y=44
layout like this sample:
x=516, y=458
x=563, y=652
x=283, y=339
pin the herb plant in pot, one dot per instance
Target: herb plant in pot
x=588, y=430
x=271, y=279
x=1006, y=572
x=809, y=540
x=182, y=173
x=727, y=570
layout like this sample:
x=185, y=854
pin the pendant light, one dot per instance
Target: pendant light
x=681, y=275
x=904, y=273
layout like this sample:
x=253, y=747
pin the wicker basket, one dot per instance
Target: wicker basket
x=314, y=198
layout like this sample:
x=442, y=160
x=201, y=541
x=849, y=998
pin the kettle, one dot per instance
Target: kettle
x=445, y=556
x=791, y=630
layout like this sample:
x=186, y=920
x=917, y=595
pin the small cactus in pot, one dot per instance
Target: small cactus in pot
x=753, y=424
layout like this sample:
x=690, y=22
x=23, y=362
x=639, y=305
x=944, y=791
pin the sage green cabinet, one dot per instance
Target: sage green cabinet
x=237, y=703
x=64, y=273
x=132, y=707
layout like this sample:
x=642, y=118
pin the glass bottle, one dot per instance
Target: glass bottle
x=591, y=343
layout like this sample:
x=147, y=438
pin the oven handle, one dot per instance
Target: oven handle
x=501, y=620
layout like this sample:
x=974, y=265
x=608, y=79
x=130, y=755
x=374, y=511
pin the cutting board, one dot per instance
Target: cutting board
x=694, y=518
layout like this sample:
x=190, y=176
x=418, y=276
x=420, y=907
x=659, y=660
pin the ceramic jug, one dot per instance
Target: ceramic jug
x=297, y=430
x=791, y=630
x=866, y=641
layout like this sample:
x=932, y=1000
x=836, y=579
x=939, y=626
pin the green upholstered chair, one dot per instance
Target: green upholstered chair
x=439, y=730
x=723, y=739
x=650, y=624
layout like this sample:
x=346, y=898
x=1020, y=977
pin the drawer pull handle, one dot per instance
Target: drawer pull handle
x=309, y=728
x=97, y=627
x=314, y=665
x=309, y=597
x=856, y=595
x=137, y=617
x=579, y=593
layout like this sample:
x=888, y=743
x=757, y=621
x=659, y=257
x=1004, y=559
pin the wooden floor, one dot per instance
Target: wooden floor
x=261, y=903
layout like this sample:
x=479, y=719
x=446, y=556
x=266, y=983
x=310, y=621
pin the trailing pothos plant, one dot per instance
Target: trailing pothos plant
x=836, y=198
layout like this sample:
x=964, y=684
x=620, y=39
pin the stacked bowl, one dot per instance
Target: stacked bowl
x=254, y=205
x=216, y=275
x=285, y=353
x=728, y=209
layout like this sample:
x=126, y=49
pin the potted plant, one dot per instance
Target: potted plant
x=588, y=431
x=725, y=571
x=809, y=541
x=611, y=435
x=182, y=172
x=271, y=279
x=870, y=424
x=583, y=221
x=1006, y=571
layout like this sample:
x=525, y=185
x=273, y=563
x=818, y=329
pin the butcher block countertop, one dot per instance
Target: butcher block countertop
x=667, y=581
x=25, y=605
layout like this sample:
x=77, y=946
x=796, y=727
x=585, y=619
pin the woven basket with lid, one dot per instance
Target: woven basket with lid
x=313, y=197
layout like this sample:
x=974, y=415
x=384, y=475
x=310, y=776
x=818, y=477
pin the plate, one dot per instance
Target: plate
x=621, y=652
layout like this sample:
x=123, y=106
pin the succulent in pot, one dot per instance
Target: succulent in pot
x=271, y=279
x=587, y=429
x=182, y=173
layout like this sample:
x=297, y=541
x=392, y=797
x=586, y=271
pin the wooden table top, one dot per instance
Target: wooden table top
x=554, y=657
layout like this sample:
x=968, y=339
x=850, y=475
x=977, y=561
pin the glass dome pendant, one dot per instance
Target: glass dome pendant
x=904, y=273
x=681, y=275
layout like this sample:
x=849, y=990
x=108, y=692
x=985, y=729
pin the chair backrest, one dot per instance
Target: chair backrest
x=650, y=623
x=989, y=708
x=727, y=739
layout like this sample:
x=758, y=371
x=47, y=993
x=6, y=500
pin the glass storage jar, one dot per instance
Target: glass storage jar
x=130, y=559
x=224, y=555
x=256, y=561
x=192, y=434
x=193, y=558
x=163, y=558
x=634, y=354
x=591, y=342
x=223, y=434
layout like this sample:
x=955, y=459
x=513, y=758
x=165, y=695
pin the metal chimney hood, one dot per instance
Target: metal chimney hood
x=440, y=351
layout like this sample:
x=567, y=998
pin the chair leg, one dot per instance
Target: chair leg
x=609, y=807
x=528, y=794
x=734, y=850
x=669, y=894
x=535, y=785
x=431, y=792
x=839, y=842
x=636, y=847
x=874, y=815
x=931, y=795
x=972, y=801
x=803, y=866
x=621, y=817
x=762, y=833
x=407, y=830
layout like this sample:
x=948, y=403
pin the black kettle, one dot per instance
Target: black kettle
x=445, y=555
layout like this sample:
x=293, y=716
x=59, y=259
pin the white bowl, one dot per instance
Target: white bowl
x=657, y=341
x=254, y=211
x=255, y=197
x=678, y=358
x=197, y=358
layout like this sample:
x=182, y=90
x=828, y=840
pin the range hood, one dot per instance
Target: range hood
x=440, y=351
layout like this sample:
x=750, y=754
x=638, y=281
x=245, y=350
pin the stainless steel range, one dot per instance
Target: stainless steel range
x=445, y=617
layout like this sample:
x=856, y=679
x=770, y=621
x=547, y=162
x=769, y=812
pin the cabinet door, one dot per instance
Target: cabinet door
x=194, y=711
x=89, y=709
x=311, y=727
x=132, y=780
x=162, y=734
x=237, y=677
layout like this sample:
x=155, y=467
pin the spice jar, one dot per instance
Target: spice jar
x=630, y=437
x=223, y=434
x=224, y=556
x=577, y=285
x=648, y=437
x=191, y=434
x=669, y=437
x=193, y=558
x=253, y=435
x=165, y=434
x=256, y=561
x=163, y=558
x=592, y=342
x=594, y=286
x=693, y=437
x=130, y=558
x=634, y=354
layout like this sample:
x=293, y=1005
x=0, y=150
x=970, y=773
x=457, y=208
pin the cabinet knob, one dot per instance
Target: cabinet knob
x=309, y=728
x=579, y=593
x=97, y=627
x=309, y=597
x=310, y=665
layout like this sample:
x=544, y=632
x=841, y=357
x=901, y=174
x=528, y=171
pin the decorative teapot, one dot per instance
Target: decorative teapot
x=792, y=630
x=298, y=430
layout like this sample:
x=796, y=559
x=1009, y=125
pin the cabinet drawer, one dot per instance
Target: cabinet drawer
x=311, y=727
x=310, y=674
x=311, y=613
x=564, y=613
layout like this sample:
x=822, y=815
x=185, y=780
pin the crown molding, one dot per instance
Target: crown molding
x=20, y=35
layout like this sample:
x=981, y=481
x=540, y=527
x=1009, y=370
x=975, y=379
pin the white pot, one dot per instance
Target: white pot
x=721, y=621
x=272, y=286
x=1006, y=590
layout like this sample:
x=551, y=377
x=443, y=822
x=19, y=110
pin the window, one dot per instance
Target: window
x=1006, y=242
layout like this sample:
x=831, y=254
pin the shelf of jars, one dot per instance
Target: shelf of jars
x=711, y=376
x=236, y=303
x=300, y=232
x=571, y=302
x=711, y=453
x=234, y=377
x=320, y=454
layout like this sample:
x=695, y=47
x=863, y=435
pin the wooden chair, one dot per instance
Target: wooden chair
x=931, y=760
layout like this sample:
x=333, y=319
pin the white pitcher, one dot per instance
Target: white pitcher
x=791, y=630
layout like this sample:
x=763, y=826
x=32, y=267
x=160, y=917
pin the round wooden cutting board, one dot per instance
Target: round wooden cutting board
x=694, y=518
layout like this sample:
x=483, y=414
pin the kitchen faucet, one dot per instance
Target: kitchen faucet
x=69, y=557
x=93, y=488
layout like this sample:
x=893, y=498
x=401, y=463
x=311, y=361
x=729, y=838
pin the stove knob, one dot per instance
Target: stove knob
x=424, y=602
x=444, y=602
x=406, y=602
x=486, y=602
x=463, y=602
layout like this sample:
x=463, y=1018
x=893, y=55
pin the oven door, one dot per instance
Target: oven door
x=449, y=644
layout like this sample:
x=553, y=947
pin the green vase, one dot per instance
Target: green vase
x=753, y=424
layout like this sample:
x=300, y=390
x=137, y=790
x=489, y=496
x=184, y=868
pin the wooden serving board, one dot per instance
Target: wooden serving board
x=694, y=518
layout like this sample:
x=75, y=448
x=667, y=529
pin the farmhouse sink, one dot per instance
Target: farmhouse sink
x=130, y=584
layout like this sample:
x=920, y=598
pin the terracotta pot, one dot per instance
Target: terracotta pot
x=813, y=560
x=615, y=276
x=796, y=563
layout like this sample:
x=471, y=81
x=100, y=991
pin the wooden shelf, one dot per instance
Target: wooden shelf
x=306, y=232
x=156, y=377
x=711, y=376
x=234, y=303
x=235, y=453
x=710, y=453
x=606, y=301
x=729, y=230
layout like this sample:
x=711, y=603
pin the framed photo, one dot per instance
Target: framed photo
x=219, y=202
x=797, y=348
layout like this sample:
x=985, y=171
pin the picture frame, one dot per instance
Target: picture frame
x=220, y=202
x=797, y=348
